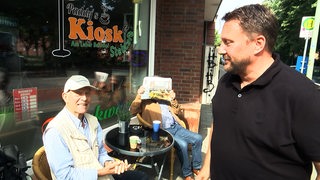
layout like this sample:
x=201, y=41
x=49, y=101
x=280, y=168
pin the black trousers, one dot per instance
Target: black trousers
x=139, y=175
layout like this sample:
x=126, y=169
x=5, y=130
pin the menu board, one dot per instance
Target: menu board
x=25, y=103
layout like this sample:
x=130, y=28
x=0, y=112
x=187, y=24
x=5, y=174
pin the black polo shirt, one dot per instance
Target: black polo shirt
x=269, y=130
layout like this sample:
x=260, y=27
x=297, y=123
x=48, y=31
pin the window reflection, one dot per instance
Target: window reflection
x=99, y=36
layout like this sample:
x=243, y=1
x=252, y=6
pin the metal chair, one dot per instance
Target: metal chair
x=172, y=153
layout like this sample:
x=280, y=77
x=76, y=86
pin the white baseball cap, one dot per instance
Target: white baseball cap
x=77, y=82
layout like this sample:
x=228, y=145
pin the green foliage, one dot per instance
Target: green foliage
x=289, y=13
x=123, y=112
x=217, y=38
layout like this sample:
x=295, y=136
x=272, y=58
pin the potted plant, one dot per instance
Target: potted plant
x=124, y=117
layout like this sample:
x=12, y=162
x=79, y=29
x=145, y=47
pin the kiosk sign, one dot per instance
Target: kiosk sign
x=307, y=24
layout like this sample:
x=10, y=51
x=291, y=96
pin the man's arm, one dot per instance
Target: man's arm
x=317, y=167
x=103, y=154
x=62, y=165
x=204, y=173
x=135, y=106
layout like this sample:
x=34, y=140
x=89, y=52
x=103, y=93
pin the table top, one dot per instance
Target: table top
x=152, y=143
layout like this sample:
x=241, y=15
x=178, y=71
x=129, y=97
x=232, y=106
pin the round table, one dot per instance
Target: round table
x=152, y=144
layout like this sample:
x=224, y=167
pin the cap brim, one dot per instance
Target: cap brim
x=92, y=87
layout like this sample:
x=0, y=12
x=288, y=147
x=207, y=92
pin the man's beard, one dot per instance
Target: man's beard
x=237, y=67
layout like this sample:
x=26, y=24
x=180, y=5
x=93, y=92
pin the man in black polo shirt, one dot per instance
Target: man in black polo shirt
x=266, y=115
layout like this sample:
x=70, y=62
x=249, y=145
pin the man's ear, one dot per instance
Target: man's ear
x=64, y=96
x=260, y=44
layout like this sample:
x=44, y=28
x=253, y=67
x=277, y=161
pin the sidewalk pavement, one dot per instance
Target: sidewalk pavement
x=205, y=122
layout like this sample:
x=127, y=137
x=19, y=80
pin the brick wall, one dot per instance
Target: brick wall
x=179, y=46
x=210, y=33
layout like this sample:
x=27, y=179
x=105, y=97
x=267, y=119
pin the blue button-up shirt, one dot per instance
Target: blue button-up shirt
x=59, y=157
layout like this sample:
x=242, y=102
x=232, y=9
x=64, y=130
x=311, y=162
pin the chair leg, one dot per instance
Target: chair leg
x=172, y=158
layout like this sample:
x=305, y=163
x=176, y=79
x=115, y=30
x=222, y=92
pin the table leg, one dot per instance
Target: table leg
x=155, y=165
x=161, y=167
x=144, y=165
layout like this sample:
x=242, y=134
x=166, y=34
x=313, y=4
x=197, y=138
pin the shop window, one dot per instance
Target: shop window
x=42, y=43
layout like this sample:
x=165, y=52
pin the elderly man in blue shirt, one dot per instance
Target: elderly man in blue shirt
x=73, y=140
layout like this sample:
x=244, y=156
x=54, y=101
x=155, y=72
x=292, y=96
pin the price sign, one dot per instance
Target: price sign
x=25, y=103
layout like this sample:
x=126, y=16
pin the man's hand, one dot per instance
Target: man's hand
x=141, y=90
x=172, y=94
x=203, y=175
x=317, y=167
x=114, y=167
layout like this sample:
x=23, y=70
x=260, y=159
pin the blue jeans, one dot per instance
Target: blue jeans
x=182, y=138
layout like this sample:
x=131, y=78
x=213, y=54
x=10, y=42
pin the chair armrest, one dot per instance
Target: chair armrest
x=143, y=122
x=182, y=123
